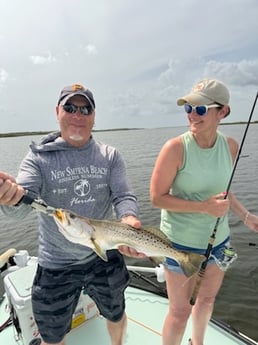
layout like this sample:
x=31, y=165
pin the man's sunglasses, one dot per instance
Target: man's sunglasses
x=72, y=109
x=200, y=110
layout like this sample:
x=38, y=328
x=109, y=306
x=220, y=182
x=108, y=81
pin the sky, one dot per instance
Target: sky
x=136, y=56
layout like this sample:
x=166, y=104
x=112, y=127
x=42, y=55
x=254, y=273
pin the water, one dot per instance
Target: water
x=237, y=302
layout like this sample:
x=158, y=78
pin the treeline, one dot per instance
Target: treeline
x=21, y=134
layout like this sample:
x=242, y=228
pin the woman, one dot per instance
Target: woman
x=188, y=183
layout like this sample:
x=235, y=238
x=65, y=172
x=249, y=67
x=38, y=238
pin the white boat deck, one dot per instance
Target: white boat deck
x=146, y=313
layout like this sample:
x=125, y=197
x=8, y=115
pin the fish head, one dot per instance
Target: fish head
x=74, y=228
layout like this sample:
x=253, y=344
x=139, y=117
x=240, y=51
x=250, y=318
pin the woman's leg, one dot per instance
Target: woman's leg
x=179, y=289
x=203, y=308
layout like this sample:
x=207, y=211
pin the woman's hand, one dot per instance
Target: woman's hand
x=217, y=206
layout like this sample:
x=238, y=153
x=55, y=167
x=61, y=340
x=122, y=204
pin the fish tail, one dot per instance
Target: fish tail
x=192, y=264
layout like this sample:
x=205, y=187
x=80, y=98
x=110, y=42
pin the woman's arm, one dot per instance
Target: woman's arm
x=248, y=218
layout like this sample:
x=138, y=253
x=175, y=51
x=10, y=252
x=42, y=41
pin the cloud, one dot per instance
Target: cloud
x=3, y=77
x=138, y=57
x=43, y=60
x=156, y=104
x=240, y=73
x=90, y=49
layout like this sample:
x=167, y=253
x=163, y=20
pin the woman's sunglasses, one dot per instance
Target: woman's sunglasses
x=200, y=110
x=84, y=109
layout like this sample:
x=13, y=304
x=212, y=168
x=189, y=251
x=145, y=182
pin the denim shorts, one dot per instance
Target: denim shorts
x=55, y=293
x=217, y=251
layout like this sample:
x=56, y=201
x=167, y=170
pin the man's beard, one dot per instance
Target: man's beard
x=76, y=137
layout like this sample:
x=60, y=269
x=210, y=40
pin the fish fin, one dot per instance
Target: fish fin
x=157, y=260
x=157, y=232
x=98, y=250
x=192, y=264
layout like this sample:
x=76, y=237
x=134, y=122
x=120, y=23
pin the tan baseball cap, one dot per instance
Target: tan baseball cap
x=205, y=92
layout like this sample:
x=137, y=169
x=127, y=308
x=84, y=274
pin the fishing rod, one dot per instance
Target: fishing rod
x=213, y=235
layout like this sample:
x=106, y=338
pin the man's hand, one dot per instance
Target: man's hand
x=128, y=251
x=10, y=192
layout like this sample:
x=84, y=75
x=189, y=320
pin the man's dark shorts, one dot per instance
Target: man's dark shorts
x=55, y=293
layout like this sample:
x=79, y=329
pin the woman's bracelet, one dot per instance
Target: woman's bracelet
x=246, y=217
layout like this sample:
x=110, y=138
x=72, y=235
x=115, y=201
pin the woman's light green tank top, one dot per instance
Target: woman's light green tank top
x=204, y=172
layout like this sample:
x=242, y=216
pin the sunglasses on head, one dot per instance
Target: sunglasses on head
x=200, y=110
x=72, y=109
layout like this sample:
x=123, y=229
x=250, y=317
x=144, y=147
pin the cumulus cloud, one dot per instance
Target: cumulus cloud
x=241, y=73
x=136, y=63
x=43, y=60
x=175, y=80
x=3, y=76
x=187, y=71
x=90, y=49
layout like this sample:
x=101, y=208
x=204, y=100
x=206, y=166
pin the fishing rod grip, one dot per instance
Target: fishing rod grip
x=197, y=285
x=36, y=204
x=26, y=199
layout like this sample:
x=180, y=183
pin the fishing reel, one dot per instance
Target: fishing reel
x=229, y=255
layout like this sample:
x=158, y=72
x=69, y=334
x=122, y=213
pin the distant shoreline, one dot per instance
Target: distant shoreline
x=20, y=134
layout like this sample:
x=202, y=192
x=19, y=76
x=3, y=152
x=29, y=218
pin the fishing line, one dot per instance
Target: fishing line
x=213, y=235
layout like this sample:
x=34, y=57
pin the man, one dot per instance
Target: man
x=69, y=169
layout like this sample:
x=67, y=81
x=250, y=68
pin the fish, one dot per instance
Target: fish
x=104, y=235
